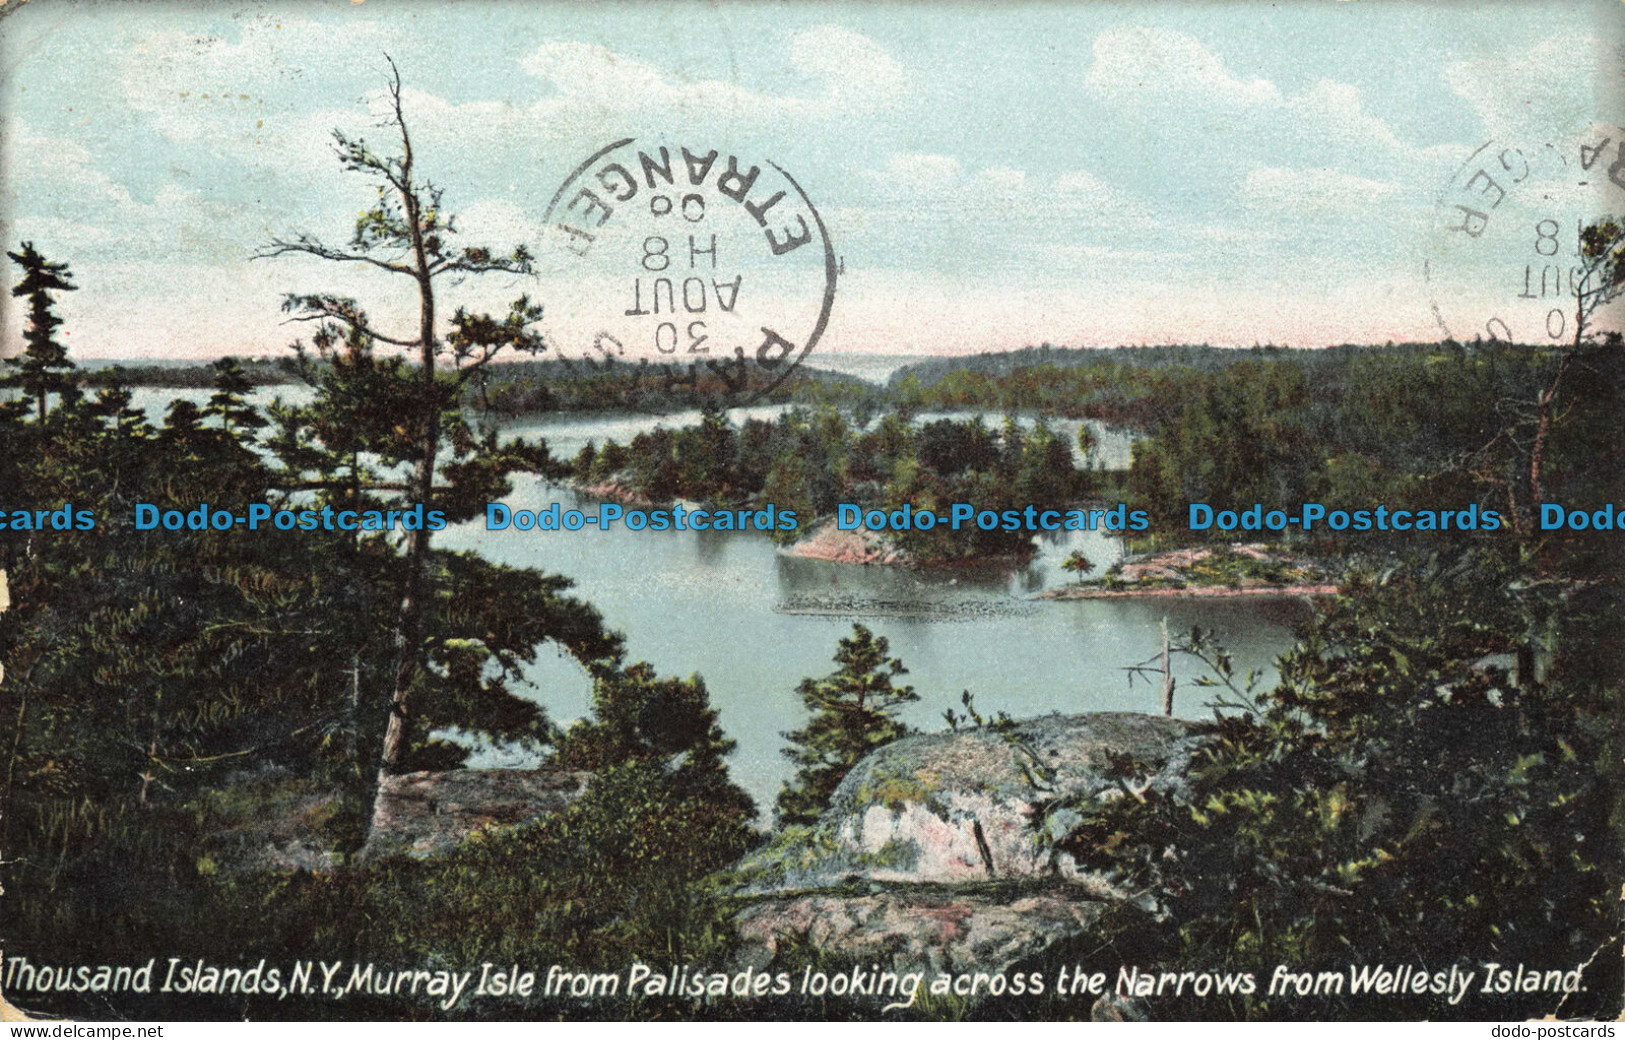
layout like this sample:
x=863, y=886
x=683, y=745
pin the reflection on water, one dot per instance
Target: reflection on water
x=733, y=609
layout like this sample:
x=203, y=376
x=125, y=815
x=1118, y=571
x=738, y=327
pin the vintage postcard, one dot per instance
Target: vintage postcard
x=839, y=511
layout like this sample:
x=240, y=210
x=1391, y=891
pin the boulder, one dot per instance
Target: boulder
x=427, y=814
x=940, y=850
x=944, y=930
x=972, y=805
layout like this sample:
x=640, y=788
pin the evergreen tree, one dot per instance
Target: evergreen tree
x=229, y=402
x=43, y=368
x=1370, y=800
x=854, y=710
x=410, y=414
x=1078, y=564
x=639, y=717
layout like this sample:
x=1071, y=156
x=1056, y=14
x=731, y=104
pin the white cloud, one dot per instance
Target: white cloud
x=911, y=171
x=1554, y=88
x=240, y=102
x=148, y=227
x=1082, y=182
x=1259, y=174
x=1080, y=191
x=909, y=178
x=850, y=64
x=499, y=223
x=55, y=167
x=1002, y=180
x=1336, y=110
x=1171, y=87
x=590, y=80
x=850, y=71
x=90, y=213
x=1138, y=60
x=200, y=88
x=1313, y=191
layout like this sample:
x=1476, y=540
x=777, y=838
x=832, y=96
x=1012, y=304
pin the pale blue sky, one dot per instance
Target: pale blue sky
x=992, y=174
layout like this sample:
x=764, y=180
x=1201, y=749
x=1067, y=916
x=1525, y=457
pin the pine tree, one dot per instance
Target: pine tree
x=412, y=413
x=1078, y=564
x=229, y=402
x=640, y=717
x=854, y=711
x=43, y=368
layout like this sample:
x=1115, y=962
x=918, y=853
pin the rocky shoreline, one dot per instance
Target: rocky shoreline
x=828, y=543
x=611, y=491
x=1238, y=569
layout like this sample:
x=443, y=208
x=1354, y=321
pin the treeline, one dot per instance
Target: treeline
x=1199, y=356
x=1141, y=385
x=199, y=376
x=1409, y=427
x=510, y=389
x=520, y=388
x=811, y=460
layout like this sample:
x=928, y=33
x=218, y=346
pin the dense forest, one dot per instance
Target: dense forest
x=1413, y=426
x=508, y=388
x=808, y=461
x=194, y=376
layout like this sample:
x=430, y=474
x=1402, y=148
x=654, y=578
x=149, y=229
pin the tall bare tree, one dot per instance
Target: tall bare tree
x=1514, y=459
x=406, y=233
x=1598, y=281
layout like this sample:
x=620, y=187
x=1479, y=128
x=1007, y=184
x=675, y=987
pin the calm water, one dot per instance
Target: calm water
x=752, y=621
x=875, y=368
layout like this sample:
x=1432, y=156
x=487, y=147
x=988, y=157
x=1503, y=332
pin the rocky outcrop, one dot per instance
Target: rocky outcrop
x=1223, y=570
x=273, y=828
x=425, y=814
x=941, y=930
x=829, y=542
x=281, y=825
x=967, y=806
x=941, y=849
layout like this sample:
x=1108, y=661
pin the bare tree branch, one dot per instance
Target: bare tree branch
x=338, y=308
x=311, y=247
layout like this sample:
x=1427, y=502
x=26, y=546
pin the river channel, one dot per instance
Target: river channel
x=753, y=620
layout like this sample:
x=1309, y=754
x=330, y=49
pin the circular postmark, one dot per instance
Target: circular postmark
x=686, y=269
x=1505, y=260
